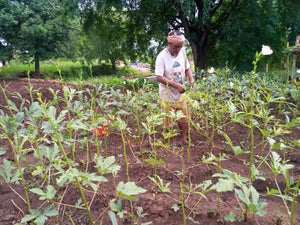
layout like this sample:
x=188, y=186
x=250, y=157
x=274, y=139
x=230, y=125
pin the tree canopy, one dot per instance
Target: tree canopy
x=34, y=28
x=257, y=23
x=219, y=32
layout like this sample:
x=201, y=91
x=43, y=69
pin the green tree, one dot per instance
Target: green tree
x=202, y=20
x=257, y=23
x=218, y=31
x=34, y=28
x=6, y=51
x=289, y=12
x=112, y=32
x=105, y=32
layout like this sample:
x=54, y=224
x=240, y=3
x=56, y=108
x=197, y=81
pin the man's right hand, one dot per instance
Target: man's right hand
x=180, y=88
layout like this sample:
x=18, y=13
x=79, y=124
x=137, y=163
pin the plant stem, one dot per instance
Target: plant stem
x=182, y=203
x=84, y=200
x=125, y=155
x=138, y=123
x=294, y=200
x=18, y=165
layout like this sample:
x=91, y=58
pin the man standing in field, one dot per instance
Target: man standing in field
x=171, y=69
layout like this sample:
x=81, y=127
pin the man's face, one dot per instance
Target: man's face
x=174, y=49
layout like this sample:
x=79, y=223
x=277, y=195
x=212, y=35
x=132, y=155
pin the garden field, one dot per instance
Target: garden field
x=82, y=154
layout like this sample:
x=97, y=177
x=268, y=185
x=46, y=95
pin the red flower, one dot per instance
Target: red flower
x=101, y=131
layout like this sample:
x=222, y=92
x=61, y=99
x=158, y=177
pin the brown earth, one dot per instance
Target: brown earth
x=157, y=206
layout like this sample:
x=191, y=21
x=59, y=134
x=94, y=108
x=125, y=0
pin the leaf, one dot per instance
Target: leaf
x=296, y=142
x=27, y=218
x=49, y=194
x=271, y=141
x=12, y=105
x=49, y=211
x=40, y=220
x=78, y=125
x=224, y=185
x=113, y=218
x=122, y=124
x=3, y=151
x=47, y=127
x=128, y=189
x=254, y=195
x=230, y=217
x=37, y=191
x=273, y=192
x=261, y=204
x=252, y=208
x=51, y=153
x=106, y=165
x=76, y=106
x=277, y=193
x=191, y=219
x=41, y=216
x=162, y=144
x=116, y=207
x=20, y=118
x=52, y=113
x=243, y=196
x=79, y=202
x=61, y=116
x=128, y=197
x=37, y=171
x=162, y=187
x=87, y=178
x=236, y=149
x=278, y=167
x=140, y=213
x=7, y=173
x=35, y=110
x=154, y=161
x=175, y=207
x=256, y=174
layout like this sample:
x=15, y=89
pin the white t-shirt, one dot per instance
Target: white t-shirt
x=174, y=69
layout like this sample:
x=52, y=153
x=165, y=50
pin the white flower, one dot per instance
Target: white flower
x=266, y=50
x=231, y=84
x=211, y=70
x=298, y=71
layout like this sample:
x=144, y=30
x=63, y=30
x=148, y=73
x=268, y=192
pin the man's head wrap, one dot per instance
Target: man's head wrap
x=175, y=37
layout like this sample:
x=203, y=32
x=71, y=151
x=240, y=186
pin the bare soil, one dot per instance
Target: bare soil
x=157, y=207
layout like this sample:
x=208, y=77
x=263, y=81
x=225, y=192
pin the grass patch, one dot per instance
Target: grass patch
x=71, y=70
x=77, y=72
x=48, y=67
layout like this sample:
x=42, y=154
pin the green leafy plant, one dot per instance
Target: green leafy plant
x=278, y=167
x=160, y=184
x=49, y=194
x=127, y=190
x=229, y=181
x=40, y=216
x=117, y=207
x=7, y=173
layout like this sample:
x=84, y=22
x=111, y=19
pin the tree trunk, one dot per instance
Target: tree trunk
x=113, y=65
x=37, y=64
x=200, y=56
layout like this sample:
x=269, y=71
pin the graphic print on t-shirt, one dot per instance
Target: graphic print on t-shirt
x=177, y=72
